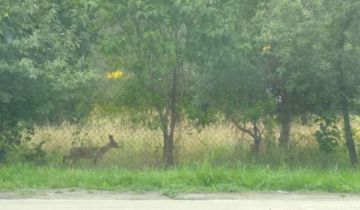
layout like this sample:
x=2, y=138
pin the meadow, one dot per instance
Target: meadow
x=216, y=159
x=218, y=144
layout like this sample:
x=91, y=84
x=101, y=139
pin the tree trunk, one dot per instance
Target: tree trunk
x=348, y=133
x=285, y=122
x=345, y=111
x=285, y=130
x=257, y=145
x=257, y=139
x=168, y=155
x=344, y=103
x=168, y=134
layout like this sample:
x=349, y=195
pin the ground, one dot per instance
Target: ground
x=70, y=199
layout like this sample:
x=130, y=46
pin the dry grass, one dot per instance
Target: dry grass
x=142, y=147
x=139, y=146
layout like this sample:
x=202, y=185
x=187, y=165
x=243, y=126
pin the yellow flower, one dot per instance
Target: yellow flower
x=266, y=48
x=114, y=74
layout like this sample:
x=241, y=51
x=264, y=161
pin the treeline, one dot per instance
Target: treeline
x=249, y=60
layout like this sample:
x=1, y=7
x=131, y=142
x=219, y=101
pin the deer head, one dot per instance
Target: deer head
x=112, y=142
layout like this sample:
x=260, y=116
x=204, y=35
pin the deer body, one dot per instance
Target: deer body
x=94, y=153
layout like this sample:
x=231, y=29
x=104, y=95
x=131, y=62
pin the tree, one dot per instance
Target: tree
x=342, y=50
x=231, y=79
x=44, y=47
x=292, y=31
x=313, y=59
x=149, y=41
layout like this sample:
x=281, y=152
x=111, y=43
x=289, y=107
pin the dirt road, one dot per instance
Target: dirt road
x=78, y=200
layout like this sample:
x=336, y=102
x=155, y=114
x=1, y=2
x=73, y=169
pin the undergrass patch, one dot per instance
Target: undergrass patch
x=183, y=179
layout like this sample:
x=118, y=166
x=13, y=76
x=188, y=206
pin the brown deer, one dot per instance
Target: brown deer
x=94, y=153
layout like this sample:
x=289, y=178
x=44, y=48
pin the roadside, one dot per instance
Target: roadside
x=183, y=179
x=81, y=194
x=104, y=200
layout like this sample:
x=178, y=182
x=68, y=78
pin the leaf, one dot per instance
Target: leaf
x=5, y=97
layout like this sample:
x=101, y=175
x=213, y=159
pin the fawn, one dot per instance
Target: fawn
x=94, y=153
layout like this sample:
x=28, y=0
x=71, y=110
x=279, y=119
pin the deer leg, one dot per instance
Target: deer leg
x=65, y=158
x=74, y=161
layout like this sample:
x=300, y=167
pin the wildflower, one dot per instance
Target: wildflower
x=115, y=74
x=266, y=48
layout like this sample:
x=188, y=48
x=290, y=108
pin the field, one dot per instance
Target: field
x=216, y=159
x=218, y=144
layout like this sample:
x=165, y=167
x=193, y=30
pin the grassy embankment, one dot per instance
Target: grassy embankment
x=185, y=179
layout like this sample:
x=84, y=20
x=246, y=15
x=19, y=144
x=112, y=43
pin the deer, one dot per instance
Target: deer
x=94, y=153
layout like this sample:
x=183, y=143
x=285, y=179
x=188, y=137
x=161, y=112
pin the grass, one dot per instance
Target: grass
x=141, y=146
x=219, y=143
x=184, y=179
x=218, y=159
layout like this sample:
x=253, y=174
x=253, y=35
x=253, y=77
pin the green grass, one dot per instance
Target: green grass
x=185, y=179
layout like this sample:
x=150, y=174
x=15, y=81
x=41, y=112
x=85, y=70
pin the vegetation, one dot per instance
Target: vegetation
x=178, y=83
x=188, y=179
x=45, y=48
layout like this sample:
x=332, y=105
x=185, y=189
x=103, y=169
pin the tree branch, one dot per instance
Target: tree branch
x=243, y=128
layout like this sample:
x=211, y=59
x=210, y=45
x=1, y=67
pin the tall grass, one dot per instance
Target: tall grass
x=218, y=144
x=217, y=159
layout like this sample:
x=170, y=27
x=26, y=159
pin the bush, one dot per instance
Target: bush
x=328, y=135
x=11, y=139
x=9, y=136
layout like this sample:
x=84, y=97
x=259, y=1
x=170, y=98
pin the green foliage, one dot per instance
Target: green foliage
x=28, y=153
x=328, y=136
x=230, y=77
x=248, y=60
x=45, y=48
x=148, y=43
x=311, y=63
x=295, y=68
x=152, y=44
x=11, y=136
